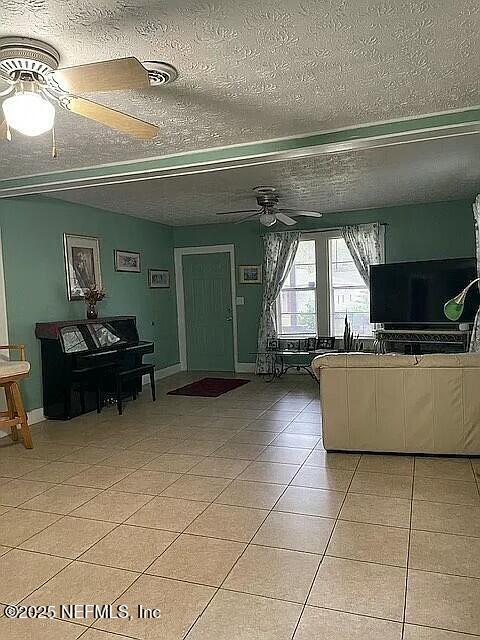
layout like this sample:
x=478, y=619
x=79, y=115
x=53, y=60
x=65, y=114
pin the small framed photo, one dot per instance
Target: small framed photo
x=158, y=279
x=292, y=345
x=127, y=261
x=273, y=344
x=82, y=264
x=250, y=274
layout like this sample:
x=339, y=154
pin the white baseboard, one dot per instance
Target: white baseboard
x=168, y=371
x=36, y=415
x=242, y=367
x=163, y=373
x=245, y=367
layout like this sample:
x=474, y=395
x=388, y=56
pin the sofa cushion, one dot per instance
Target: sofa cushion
x=13, y=368
x=395, y=360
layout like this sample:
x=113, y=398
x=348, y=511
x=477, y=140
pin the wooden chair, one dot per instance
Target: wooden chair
x=11, y=372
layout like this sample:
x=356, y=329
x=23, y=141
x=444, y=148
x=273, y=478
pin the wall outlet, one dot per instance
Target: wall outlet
x=240, y=300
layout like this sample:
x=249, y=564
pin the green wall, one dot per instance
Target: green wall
x=414, y=232
x=32, y=238
x=32, y=234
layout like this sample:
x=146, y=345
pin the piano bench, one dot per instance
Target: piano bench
x=126, y=375
x=80, y=379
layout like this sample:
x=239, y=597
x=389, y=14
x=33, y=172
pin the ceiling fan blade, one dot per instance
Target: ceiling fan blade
x=110, y=75
x=254, y=215
x=300, y=212
x=285, y=219
x=111, y=118
x=228, y=213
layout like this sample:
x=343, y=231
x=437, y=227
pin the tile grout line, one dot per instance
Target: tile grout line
x=72, y=515
x=248, y=544
x=179, y=534
x=101, y=490
x=69, y=564
x=408, y=550
x=144, y=572
x=325, y=551
x=118, y=635
x=93, y=544
x=211, y=537
x=475, y=475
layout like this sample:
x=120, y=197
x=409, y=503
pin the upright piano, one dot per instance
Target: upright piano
x=82, y=352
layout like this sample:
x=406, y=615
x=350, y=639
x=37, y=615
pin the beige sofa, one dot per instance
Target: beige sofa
x=400, y=403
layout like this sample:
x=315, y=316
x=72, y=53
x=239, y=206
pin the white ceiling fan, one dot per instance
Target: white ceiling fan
x=269, y=213
x=31, y=85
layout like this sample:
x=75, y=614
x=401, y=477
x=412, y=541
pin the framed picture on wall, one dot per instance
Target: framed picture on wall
x=127, y=261
x=250, y=274
x=158, y=279
x=82, y=264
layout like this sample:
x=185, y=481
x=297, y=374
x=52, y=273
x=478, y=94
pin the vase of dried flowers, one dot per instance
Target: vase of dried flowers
x=92, y=296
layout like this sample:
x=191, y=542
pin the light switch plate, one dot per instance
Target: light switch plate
x=240, y=300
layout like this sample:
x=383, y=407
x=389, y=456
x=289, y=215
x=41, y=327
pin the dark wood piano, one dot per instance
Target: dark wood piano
x=79, y=356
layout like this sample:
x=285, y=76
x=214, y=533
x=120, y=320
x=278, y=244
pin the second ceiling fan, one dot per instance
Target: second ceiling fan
x=269, y=213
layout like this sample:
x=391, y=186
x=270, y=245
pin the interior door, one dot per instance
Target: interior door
x=208, y=312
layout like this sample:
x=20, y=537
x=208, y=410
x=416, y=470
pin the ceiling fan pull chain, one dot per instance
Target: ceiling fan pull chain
x=54, y=144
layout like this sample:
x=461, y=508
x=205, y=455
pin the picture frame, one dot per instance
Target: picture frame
x=82, y=264
x=250, y=274
x=158, y=278
x=127, y=261
x=273, y=344
x=292, y=345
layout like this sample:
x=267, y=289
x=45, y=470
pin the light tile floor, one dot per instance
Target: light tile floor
x=228, y=516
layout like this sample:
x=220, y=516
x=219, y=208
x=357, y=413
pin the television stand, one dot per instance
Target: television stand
x=418, y=341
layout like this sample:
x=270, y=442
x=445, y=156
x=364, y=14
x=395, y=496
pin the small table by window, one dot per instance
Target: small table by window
x=285, y=354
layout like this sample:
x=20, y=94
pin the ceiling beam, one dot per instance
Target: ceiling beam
x=371, y=136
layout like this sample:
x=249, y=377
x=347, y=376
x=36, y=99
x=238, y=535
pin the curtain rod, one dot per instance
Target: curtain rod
x=325, y=229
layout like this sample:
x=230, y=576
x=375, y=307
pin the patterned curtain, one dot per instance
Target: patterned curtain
x=279, y=254
x=366, y=243
x=475, y=339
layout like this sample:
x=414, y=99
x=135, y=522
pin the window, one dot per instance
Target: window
x=322, y=287
x=348, y=293
x=297, y=307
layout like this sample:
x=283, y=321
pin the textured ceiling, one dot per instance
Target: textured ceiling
x=251, y=70
x=421, y=172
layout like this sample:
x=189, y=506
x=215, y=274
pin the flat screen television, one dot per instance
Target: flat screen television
x=415, y=292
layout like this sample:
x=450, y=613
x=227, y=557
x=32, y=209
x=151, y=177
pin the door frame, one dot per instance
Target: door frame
x=3, y=322
x=3, y=301
x=182, y=336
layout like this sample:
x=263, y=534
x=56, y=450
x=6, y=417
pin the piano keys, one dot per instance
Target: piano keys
x=78, y=354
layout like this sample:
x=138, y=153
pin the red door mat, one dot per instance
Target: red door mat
x=209, y=387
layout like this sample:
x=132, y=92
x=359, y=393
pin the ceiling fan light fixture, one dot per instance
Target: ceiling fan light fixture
x=29, y=113
x=268, y=219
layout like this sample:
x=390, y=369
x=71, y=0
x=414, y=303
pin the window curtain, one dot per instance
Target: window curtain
x=475, y=338
x=366, y=243
x=279, y=254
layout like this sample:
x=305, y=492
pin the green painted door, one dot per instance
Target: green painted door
x=208, y=312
